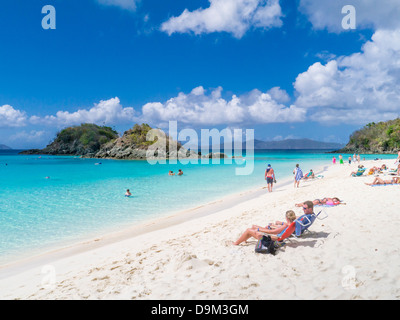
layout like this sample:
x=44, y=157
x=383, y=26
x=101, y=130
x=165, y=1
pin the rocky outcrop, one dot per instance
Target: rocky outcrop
x=78, y=140
x=215, y=155
x=139, y=143
x=91, y=141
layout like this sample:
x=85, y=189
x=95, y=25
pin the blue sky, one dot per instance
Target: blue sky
x=285, y=68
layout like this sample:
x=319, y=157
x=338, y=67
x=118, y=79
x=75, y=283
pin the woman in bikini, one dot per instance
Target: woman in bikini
x=257, y=231
x=379, y=181
x=325, y=201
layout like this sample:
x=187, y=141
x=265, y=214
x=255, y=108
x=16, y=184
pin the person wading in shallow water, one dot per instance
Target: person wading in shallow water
x=270, y=177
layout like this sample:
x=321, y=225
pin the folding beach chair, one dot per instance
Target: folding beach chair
x=285, y=235
x=305, y=221
x=359, y=173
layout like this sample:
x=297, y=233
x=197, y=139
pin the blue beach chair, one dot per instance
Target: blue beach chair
x=306, y=221
x=359, y=172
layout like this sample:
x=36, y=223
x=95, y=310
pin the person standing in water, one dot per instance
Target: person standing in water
x=128, y=193
x=270, y=177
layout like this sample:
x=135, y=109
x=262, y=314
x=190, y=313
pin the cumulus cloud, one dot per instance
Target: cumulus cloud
x=383, y=14
x=200, y=108
x=108, y=112
x=124, y=4
x=32, y=136
x=362, y=87
x=279, y=95
x=10, y=117
x=233, y=16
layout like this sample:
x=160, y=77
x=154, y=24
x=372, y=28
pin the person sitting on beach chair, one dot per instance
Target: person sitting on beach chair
x=359, y=172
x=309, y=175
x=278, y=224
x=306, y=220
x=275, y=234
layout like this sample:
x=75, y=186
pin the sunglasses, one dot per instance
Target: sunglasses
x=305, y=208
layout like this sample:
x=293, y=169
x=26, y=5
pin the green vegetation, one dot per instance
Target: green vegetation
x=89, y=137
x=137, y=135
x=382, y=137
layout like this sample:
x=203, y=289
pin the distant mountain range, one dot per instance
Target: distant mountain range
x=296, y=144
x=4, y=147
x=288, y=144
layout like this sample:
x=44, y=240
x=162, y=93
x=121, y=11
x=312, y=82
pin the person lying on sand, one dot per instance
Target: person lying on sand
x=257, y=232
x=379, y=181
x=325, y=201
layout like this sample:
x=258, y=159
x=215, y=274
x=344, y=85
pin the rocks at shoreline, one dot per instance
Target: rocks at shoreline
x=92, y=141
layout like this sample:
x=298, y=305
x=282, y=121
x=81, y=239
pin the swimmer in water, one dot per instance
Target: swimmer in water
x=128, y=193
x=180, y=172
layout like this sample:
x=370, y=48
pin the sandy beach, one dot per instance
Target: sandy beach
x=352, y=254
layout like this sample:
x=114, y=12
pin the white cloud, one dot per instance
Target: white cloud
x=233, y=16
x=32, y=136
x=198, y=108
x=382, y=14
x=10, y=117
x=124, y=4
x=108, y=112
x=362, y=87
x=279, y=95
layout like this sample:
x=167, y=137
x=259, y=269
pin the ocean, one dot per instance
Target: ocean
x=49, y=202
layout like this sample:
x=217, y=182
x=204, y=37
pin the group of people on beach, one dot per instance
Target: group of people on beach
x=298, y=175
x=379, y=181
x=275, y=229
x=355, y=158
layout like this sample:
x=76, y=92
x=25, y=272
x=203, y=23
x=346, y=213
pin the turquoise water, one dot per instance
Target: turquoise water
x=80, y=200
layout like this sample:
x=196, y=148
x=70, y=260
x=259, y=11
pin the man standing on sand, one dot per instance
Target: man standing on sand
x=270, y=177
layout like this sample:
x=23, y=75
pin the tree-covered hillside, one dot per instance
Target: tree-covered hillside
x=381, y=137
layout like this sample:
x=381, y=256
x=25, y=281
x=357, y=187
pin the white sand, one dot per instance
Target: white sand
x=353, y=254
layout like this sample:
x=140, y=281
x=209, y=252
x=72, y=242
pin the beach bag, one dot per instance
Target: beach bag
x=265, y=245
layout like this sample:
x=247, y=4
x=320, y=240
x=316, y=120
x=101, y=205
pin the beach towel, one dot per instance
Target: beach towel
x=326, y=205
x=298, y=174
